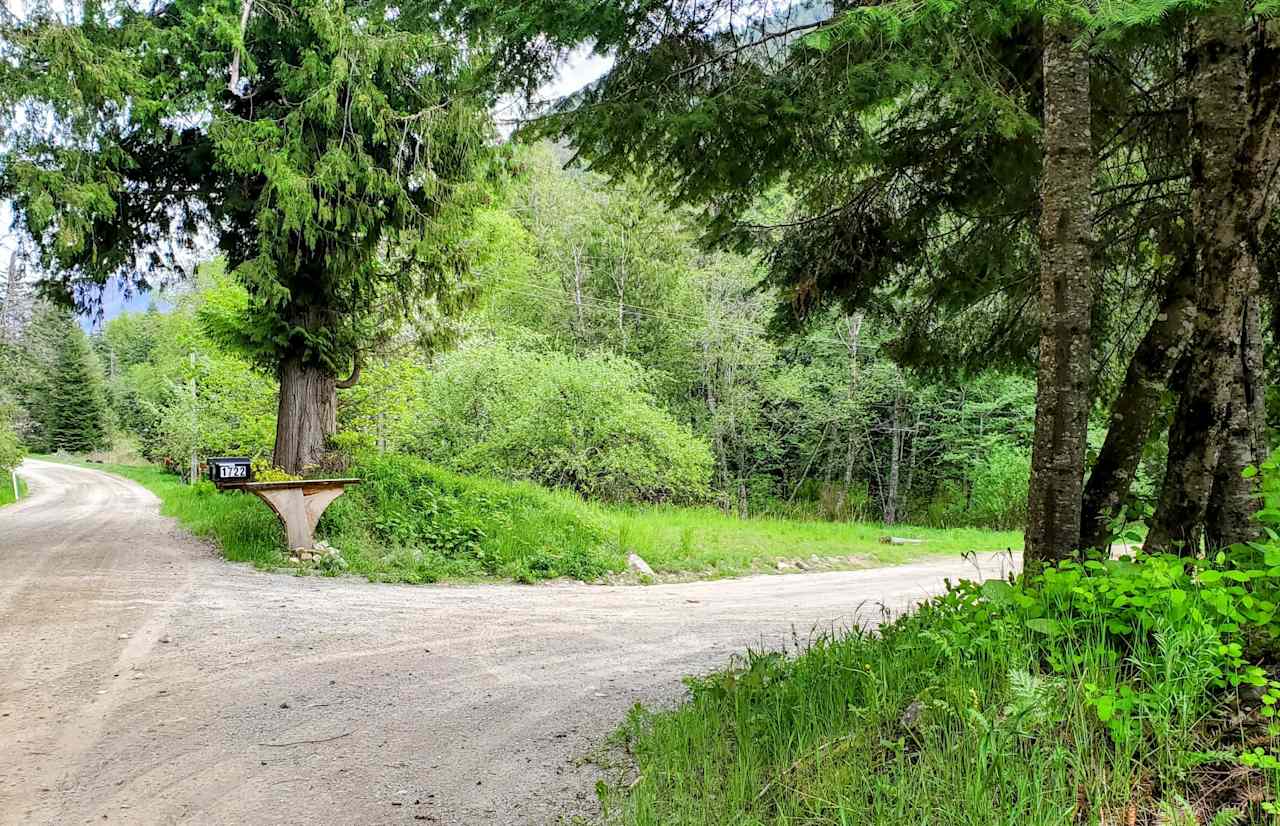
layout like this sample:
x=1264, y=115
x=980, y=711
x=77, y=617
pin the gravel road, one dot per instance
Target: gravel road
x=143, y=680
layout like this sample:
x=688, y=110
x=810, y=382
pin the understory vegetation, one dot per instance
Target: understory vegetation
x=1130, y=691
x=409, y=521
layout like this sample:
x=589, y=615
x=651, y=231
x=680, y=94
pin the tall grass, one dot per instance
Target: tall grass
x=990, y=706
x=6, y=490
x=888, y=730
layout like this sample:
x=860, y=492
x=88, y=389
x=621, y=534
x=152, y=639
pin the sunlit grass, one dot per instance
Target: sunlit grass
x=527, y=531
x=708, y=541
x=6, y=490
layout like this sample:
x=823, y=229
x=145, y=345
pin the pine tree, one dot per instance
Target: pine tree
x=77, y=403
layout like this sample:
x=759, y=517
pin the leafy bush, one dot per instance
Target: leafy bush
x=11, y=451
x=1000, y=482
x=993, y=492
x=179, y=391
x=587, y=424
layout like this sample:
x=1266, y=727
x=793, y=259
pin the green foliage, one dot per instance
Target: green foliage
x=806, y=427
x=77, y=404
x=181, y=392
x=330, y=149
x=11, y=450
x=431, y=524
x=588, y=424
x=263, y=471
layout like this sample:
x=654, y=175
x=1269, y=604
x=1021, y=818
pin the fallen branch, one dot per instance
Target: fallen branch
x=307, y=742
x=899, y=540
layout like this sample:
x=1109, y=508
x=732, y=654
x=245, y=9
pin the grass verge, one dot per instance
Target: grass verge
x=710, y=543
x=6, y=491
x=413, y=522
x=1135, y=693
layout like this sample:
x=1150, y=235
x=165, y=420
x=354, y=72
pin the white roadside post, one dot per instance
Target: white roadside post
x=14, y=474
x=195, y=425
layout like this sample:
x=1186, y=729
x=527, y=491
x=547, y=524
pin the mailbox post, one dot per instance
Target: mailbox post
x=297, y=504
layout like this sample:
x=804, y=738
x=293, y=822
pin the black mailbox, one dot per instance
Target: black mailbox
x=230, y=470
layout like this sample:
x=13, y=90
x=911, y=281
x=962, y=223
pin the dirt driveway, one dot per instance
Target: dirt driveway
x=143, y=680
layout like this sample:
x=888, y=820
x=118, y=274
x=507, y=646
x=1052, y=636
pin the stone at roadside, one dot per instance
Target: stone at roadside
x=637, y=564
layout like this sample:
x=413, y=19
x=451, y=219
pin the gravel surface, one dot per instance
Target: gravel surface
x=143, y=680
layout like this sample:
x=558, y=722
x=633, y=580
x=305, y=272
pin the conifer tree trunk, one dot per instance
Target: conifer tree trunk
x=1134, y=410
x=1231, y=501
x=307, y=414
x=1234, y=102
x=1066, y=297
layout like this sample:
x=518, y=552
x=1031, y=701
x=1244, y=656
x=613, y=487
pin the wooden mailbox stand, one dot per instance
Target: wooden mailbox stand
x=299, y=505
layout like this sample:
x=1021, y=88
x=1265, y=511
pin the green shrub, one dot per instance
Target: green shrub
x=1000, y=482
x=588, y=424
x=11, y=451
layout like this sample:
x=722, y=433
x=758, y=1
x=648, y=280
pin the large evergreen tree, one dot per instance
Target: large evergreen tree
x=77, y=401
x=329, y=148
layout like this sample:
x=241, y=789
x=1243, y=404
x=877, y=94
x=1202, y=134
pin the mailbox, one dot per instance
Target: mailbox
x=230, y=470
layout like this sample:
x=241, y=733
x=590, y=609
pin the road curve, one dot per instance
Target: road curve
x=143, y=680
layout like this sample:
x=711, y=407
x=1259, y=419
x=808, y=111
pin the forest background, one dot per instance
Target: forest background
x=604, y=351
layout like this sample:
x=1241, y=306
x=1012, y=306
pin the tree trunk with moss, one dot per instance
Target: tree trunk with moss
x=1066, y=298
x=1234, y=103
